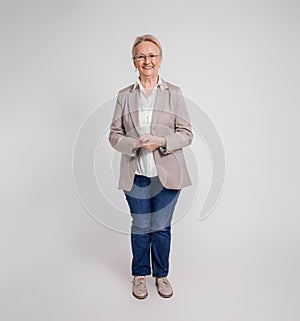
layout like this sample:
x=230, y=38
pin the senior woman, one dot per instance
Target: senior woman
x=150, y=127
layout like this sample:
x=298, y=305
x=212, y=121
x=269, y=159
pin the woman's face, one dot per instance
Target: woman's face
x=147, y=67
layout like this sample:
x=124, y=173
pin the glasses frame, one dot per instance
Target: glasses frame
x=151, y=57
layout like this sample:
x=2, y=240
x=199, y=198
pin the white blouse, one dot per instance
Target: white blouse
x=146, y=164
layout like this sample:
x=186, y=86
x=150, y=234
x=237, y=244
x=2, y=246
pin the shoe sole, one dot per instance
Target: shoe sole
x=140, y=297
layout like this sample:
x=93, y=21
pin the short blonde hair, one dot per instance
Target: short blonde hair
x=143, y=38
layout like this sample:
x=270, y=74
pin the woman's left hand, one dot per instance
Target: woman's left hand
x=151, y=142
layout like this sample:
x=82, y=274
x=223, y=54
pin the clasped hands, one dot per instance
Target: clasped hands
x=149, y=142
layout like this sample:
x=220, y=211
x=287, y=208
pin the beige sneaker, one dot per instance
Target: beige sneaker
x=139, y=288
x=164, y=287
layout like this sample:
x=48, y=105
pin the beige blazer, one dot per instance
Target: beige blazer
x=169, y=119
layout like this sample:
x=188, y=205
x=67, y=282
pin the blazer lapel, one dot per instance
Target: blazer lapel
x=161, y=101
x=134, y=108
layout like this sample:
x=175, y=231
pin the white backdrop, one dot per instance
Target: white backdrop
x=239, y=60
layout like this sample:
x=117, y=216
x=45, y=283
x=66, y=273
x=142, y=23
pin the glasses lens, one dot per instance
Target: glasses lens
x=140, y=57
x=153, y=57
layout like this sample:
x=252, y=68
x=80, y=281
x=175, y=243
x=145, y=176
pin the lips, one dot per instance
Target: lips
x=147, y=67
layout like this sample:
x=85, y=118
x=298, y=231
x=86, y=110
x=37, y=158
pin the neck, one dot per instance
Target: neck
x=149, y=82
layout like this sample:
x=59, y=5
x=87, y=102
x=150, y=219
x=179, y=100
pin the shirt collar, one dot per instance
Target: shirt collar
x=138, y=83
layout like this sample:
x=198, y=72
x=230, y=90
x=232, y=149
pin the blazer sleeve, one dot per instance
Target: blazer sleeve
x=117, y=135
x=183, y=134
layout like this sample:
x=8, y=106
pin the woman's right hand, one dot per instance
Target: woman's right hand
x=138, y=144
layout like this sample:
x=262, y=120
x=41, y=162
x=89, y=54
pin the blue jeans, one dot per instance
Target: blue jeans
x=151, y=207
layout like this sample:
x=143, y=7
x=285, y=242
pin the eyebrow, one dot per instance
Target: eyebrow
x=150, y=53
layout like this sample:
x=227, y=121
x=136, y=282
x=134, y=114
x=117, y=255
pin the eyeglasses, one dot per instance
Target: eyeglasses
x=152, y=57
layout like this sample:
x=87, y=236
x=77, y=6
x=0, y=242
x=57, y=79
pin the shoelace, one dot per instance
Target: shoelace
x=139, y=281
x=164, y=280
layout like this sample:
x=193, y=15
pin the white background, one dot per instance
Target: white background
x=238, y=59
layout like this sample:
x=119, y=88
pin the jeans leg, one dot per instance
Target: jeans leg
x=160, y=251
x=163, y=205
x=140, y=247
x=139, y=202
